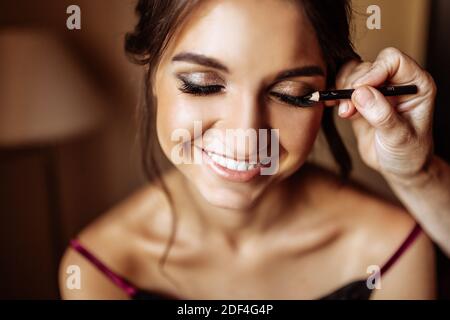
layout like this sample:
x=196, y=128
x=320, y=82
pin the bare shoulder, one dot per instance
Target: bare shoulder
x=114, y=240
x=383, y=228
x=376, y=228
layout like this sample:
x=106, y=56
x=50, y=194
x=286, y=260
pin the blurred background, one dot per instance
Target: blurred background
x=67, y=126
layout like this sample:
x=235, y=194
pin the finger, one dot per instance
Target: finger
x=345, y=72
x=391, y=65
x=346, y=109
x=350, y=72
x=397, y=68
x=374, y=107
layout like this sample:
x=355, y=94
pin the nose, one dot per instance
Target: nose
x=244, y=123
x=246, y=112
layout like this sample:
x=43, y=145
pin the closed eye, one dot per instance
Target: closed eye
x=195, y=89
x=189, y=87
x=296, y=101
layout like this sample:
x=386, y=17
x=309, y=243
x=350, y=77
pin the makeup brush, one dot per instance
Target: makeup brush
x=388, y=91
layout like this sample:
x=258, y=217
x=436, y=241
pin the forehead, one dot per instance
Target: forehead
x=261, y=34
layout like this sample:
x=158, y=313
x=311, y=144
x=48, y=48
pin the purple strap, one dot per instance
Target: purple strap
x=405, y=245
x=118, y=280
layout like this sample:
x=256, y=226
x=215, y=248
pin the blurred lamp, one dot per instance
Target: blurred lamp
x=46, y=98
x=45, y=95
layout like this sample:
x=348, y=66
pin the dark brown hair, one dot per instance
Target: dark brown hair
x=158, y=21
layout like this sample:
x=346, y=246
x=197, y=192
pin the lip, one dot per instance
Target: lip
x=228, y=174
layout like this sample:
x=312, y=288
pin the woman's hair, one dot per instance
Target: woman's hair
x=159, y=20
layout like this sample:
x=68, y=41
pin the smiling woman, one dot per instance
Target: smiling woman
x=242, y=65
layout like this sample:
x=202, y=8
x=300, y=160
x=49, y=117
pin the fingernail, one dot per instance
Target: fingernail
x=343, y=108
x=363, y=97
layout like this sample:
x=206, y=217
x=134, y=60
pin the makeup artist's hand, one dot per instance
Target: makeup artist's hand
x=394, y=134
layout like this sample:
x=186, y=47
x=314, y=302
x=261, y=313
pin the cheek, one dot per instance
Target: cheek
x=173, y=117
x=298, y=130
x=177, y=114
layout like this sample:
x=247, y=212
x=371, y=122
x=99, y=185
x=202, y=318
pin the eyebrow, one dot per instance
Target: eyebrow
x=305, y=71
x=201, y=60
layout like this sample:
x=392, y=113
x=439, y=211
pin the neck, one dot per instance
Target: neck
x=234, y=226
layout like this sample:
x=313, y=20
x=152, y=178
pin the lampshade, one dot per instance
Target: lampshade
x=45, y=94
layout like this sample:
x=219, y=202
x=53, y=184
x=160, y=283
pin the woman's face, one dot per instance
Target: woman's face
x=234, y=68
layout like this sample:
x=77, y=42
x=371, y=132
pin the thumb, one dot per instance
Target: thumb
x=375, y=108
x=391, y=129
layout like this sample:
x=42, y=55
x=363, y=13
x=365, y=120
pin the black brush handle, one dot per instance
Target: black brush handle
x=388, y=91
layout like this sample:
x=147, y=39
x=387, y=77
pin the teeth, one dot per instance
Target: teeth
x=242, y=166
x=231, y=163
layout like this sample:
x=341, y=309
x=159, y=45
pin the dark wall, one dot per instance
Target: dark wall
x=439, y=66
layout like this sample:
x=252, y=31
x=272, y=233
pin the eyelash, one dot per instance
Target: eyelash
x=197, y=90
x=191, y=88
x=295, y=101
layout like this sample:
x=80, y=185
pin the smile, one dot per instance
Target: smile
x=231, y=169
x=231, y=163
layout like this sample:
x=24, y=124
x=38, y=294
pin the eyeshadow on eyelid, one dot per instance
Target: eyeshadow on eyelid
x=293, y=90
x=201, y=77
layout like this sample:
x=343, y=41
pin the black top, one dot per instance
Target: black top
x=357, y=290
